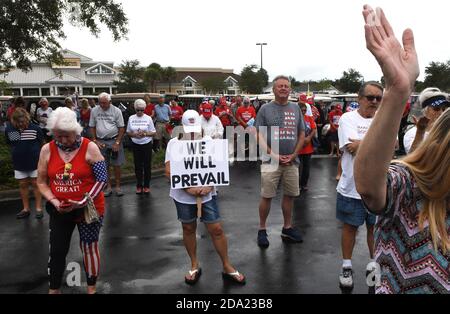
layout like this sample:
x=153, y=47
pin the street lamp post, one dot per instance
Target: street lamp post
x=261, y=44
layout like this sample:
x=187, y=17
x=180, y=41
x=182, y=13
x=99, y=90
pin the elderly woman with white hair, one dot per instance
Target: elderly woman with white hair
x=141, y=130
x=433, y=102
x=71, y=176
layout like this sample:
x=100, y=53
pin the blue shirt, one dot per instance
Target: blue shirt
x=25, y=146
x=162, y=113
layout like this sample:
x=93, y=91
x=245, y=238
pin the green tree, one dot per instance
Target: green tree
x=130, y=77
x=350, y=82
x=213, y=85
x=253, y=79
x=323, y=84
x=437, y=74
x=31, y=30
x=5, y=88
x=152, y=75
x=419, y=86
x=169, y=74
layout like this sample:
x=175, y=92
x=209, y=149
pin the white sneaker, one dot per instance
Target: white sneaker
x=346, y=278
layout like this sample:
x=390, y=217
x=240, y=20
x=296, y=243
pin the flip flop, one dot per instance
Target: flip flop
x=196, y=273
x=233, y=277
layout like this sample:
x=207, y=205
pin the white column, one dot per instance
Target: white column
x=21, y=91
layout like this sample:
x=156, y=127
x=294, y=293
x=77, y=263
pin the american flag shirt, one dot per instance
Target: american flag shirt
x=25, y=146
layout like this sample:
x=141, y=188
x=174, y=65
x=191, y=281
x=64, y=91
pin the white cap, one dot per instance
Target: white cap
x=191, y=122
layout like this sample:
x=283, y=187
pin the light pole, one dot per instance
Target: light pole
x=261, y=44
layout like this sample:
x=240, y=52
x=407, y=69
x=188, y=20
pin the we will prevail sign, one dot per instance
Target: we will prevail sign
x=198, y=163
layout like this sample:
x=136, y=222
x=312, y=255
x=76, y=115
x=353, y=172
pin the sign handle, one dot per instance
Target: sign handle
x=199, y=206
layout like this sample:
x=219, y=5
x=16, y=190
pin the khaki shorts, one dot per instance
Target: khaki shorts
x=271, y=177
x=161, y=131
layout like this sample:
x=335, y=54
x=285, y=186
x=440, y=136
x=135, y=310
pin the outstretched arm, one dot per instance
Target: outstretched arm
x=400, y=69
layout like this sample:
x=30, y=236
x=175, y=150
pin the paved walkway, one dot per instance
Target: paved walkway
x=142, y=249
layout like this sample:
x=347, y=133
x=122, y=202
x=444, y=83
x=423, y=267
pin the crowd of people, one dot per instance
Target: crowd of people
x=405, y=203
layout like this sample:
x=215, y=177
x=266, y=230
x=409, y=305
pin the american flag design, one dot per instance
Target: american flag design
x=26, y=135
x=89, y=235
x=101, y=178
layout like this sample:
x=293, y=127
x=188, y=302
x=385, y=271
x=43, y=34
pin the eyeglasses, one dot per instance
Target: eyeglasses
x=372, y=98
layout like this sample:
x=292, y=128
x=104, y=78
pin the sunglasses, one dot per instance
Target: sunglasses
x=372, y=98
x=140, y=110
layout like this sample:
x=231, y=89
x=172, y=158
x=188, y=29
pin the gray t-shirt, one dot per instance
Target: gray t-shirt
x=106, y=122
x=287, y=118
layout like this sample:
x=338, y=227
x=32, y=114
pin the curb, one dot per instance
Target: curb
x=14, y=195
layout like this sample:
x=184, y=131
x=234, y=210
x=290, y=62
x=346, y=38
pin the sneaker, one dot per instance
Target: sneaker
x=291, y=234
x=263, y=242
x=346, y=278
x=23, y=214
x=138, y=190
x=39, y=214
x=146, y=190
x=119, y=192
x=107, y=192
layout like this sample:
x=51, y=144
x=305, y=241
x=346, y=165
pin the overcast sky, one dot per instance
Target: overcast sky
x=306, y=39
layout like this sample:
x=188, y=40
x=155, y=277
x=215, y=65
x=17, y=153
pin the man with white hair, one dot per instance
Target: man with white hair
x=107, y=128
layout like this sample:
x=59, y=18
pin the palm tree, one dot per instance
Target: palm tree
x=152, y=75
x=169, y=74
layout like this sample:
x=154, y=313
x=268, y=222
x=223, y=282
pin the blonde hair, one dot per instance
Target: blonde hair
x=20, y=114
x=430, y=166
x=84, y=103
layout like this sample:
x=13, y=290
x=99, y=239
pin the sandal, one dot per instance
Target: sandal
x=195, y=276
x=23, y=214
x=39, y=214
x=233, y=277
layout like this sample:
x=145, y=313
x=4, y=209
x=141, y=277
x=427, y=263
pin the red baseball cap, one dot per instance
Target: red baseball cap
x=302, y=98
x=207, y=110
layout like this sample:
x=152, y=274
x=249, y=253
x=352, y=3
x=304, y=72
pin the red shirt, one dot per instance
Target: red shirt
x=310, y=124
x=334, y=117
x=149, y=109
x=223, y=114
x=10, y=112
x=81, y=177
x=176, y=113
x=85, y=115
x=245, y=113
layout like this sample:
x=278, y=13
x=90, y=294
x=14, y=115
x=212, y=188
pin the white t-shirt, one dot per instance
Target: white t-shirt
x=409, y=137
x=180, y=195
x=212, y=127
x=43, y=115
x=145, y=124
x=351, y=125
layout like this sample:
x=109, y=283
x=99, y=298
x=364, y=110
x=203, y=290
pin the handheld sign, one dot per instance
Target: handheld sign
x=199, y=163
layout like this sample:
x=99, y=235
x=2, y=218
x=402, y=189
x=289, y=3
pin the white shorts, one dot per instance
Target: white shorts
x=25, y=174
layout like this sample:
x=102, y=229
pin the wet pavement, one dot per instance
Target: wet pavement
x=142, y=250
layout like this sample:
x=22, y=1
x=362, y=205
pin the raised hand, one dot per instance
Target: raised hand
x=421, y=123
x=399, y=64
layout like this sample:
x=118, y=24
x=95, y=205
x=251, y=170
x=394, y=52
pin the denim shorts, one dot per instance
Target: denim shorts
x=187, y=213
x=352, y=212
